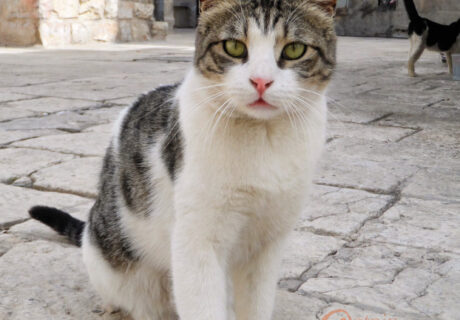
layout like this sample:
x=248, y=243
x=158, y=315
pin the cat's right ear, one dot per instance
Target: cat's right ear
x=206, y=4
x=328, y=5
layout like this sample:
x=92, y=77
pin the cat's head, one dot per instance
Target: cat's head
x=266, y=56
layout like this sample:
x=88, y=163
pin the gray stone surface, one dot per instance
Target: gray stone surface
x=340, y=211
x=17, y=162
x=33, y=292
x=304, y=249
x=49, y=105
x=16, y=201
x=7, y=137
x=427, y=224
x=84, y=144
x=379, y=237
x=77, y=176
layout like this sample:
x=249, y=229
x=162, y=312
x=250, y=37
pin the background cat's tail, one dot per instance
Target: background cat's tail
x=62, y=222
x=412, y=11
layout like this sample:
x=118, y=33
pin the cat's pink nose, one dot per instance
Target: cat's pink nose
x=261, y=85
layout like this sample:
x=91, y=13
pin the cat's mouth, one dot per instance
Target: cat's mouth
x=262, y=104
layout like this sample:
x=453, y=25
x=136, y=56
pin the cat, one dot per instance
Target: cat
x=204, y=180
x=426, y=34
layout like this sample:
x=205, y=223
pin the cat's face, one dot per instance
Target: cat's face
x=266, y=57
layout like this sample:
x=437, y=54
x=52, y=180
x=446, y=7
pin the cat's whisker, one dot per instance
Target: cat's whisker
x=210, y=133
x=311, y=103
x=209, y=87
x=194, y=108
x=308, y=105
x=305, y=121
x=299, y=116
x=288, y=112
x=229, y=117
x=329, y=99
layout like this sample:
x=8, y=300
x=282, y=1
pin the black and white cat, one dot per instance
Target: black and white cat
x=204, y=180
x=426, y=34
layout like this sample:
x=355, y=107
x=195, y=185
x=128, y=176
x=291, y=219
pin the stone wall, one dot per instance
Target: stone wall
x=19, y=22
x=366, y=18
x=63, y=22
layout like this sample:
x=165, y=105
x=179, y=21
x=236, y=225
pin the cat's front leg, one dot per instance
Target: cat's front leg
x=199, y=253
x=256, y=283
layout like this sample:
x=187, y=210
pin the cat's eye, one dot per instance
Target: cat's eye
x=235, y=49
x=294, y=51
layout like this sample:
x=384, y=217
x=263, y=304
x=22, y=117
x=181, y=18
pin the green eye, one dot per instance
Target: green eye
x=294, y=51
x=235, y=48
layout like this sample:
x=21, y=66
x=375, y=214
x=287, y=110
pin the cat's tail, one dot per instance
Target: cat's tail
x=412, y=11
x=60, y=221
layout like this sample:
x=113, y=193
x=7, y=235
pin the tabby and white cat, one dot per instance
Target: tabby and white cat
x=204, y=180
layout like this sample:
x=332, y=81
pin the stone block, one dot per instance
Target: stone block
x=435, y=183
x=78, y=176
x=124, y=31
x=292, y=306
x=92, y=10
x=66, y=8
x=105, y=30
x=87, y=143
x=10, y=96
x=80, y=33
x=9, y=113
x=160, y=29
x=18, y=32
x=19, y=9
x=140, y=30
x=50, y=105
x=15, y=203
x=442, y=296
x=431, y=225
x=111, y=9
x=15, y=163
x=351, y=207
x=55, y=33
x=304, y=249
x=45, y=280
x=143, y=10
x=7, y=137
x=125, y=9
x=46, y=9
x=33, y=230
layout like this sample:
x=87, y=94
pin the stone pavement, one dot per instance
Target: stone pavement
x=380, y=238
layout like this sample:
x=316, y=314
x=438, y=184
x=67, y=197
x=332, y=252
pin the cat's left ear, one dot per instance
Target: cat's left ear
x=328, y=5
x=206, y=4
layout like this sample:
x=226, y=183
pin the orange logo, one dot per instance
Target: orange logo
x=341, y=314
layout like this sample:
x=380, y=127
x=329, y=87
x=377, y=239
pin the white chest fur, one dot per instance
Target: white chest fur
x=256, y=172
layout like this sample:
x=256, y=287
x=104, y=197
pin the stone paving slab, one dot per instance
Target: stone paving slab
x=379, y=277
x=83, y=144
x=8, y=137
x=6, y=96
x=341, y=212
x=305, y=249
x=379, y=237
x=15, y=203
x=425, y=184
x=337, y=129
x=78, y=176
x=18, y=162
x=43, y=106
x=32, y=230
x=426, y=224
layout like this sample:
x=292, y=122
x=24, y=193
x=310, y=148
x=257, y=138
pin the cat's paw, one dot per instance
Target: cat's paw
x=113, y=313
